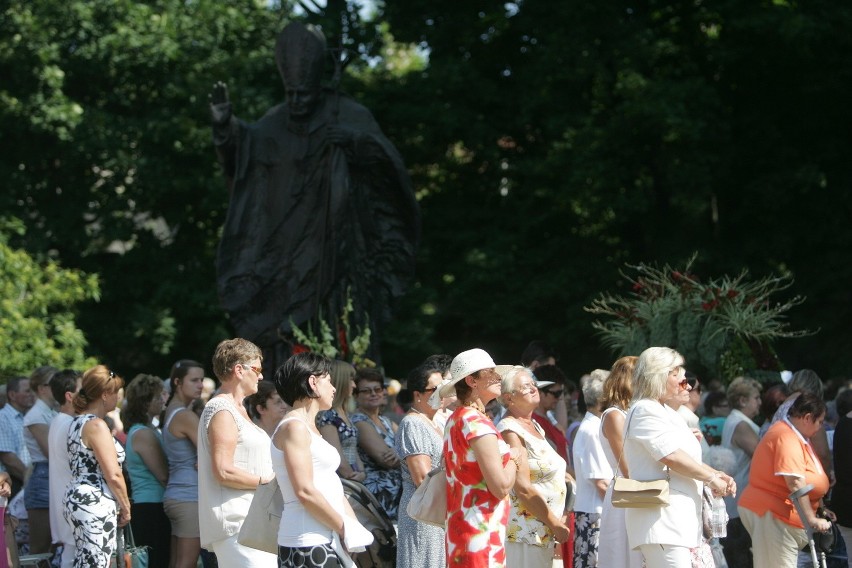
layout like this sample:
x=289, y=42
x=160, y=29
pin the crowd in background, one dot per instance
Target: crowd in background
x=530, y=458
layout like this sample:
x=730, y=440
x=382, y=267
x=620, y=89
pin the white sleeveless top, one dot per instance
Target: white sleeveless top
x=298, y=527
x=222, y=510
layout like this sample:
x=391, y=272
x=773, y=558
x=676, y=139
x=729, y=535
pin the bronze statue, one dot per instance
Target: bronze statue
x=321, y=206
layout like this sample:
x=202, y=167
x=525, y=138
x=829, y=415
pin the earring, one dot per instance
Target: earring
x=418, y=400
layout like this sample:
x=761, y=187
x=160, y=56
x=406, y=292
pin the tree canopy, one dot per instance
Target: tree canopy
x=549, y=144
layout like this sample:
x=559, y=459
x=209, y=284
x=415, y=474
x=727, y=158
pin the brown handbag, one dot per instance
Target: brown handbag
x=633, y=494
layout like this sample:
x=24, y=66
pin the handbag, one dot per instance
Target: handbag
x=127, y=554
x=633, y=494
x=260, y=527
x=429, y=502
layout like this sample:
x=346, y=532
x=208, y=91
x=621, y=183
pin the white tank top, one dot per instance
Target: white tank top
x=298, y=527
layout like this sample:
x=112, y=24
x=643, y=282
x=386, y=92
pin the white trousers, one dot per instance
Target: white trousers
x=520, y=555
x=230, y=553
x=665, y=556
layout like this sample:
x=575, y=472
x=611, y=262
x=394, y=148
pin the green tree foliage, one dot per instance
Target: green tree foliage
x=38, y=304
x=549, y=143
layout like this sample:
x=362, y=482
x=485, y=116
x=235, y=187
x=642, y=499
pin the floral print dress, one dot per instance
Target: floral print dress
x=348, y=435
x=547, y=475
x=385, y=484
x=90, y=507
x=476, y=519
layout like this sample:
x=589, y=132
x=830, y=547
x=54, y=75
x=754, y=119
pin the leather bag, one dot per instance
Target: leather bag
x=429, y=502
x=260, y=527
x=632, y=494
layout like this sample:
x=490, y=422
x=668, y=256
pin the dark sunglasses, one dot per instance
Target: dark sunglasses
x=555, y=394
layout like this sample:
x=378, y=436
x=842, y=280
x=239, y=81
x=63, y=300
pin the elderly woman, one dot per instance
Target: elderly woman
x=418, y=443
x=147, y=467
x=784, y=462
x=593, y=474
x=806, y=380
x=96, y=499
x=36, y=425
x=335, y=426
x=233, y=457
x=740, y=435
x=316, y=513
x=537, y=515
x=180, y=438
x=617, y=392
x=659, y=445
x=376, y=434
x=481, y=468
x=266, y=407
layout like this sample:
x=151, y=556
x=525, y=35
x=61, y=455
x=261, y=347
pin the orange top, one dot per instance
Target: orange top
x=782, y=451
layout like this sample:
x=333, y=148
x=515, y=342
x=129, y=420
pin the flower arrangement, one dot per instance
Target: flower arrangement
x=343, y=343
x=725, y=326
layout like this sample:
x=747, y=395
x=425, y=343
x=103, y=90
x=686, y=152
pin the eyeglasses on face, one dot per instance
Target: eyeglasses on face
x=528, y=388
x=374, y=390
x=257, y=370
x=554, y=393
x=684, y=384
x=430, y=389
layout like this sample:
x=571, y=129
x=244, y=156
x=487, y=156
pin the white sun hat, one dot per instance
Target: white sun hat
x=465, y=364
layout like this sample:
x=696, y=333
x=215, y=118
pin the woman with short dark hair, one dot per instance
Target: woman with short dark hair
x=316, y=513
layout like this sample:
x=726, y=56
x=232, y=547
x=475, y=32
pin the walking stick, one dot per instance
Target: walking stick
x=794, y=497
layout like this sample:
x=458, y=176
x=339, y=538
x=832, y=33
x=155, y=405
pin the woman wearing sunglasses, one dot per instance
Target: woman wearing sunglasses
x=659, y=445
x=419, y=442
x=376, y=436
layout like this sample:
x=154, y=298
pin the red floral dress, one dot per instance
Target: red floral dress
x=476, y=523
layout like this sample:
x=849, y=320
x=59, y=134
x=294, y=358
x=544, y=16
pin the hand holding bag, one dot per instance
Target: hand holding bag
x=632, y=494
x=429, y=502
x=128, y=555
x=260, y=527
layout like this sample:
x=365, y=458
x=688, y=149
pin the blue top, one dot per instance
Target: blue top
x=183, y=457
x=144, y=486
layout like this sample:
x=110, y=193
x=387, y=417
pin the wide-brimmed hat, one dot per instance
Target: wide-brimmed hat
x=465, y=364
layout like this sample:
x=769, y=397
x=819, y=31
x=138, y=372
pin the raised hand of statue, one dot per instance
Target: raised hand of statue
x=220, y=104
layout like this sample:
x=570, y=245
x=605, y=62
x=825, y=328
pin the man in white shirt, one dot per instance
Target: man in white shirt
x=64, y=385
x=14, y=456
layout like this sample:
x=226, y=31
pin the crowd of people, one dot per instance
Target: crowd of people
x=530, y=459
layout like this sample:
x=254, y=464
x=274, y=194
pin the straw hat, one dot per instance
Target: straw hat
x=465, y=364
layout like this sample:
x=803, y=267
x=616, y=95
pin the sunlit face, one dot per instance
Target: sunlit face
x=673, y=383
x=111, y=400
x=249, y=375
x=192, y=384
x=550, y=397
x=525, y=394
x=751, y=404
x=324, y=388
x=487, y=384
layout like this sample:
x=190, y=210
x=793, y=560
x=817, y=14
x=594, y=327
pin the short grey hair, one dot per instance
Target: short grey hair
x=593, y=388
x=806, y=380
x=652, y=370
x=509, y=380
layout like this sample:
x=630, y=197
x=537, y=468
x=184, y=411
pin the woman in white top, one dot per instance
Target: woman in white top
x=36, y=425
x=617, y=393
x=740, y=434
x=537, y=519
x=658, y=445
x=233, y=457
x=312, y=523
